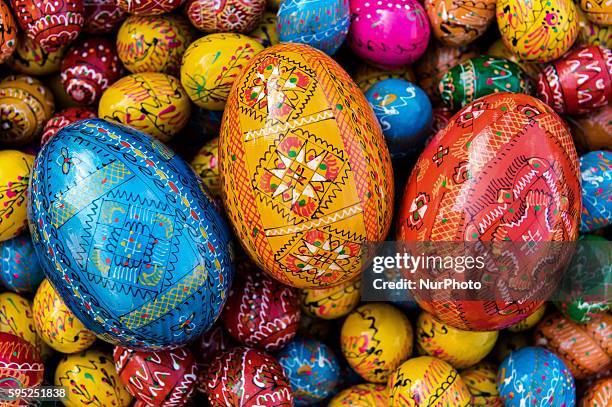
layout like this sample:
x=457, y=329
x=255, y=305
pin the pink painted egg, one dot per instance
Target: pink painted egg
x=62, y=119
x=238, y=16
x=148, y=7
x=102, y=16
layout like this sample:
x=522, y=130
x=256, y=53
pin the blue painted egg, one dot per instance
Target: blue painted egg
x=404, y=113
x=312, y=370
x=534, y=376
x=322, y=24
x=128, y=237
x=20, y=270
x=596, y=174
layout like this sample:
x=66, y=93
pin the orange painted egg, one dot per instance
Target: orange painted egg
x=8, y=32
x=592, y=132
x=599, y=394
x=333, y=302
x=459, y=22
x=598, y=11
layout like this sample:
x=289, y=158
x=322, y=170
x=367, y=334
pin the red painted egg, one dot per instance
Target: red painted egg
x=162, y=378
x=51, y=24
x=210, y=344
x=248, y=378
x=62, y=119
x=238, y=16
x=20, y=364
x=261, y=312
x=102, y=16
x=89, y=68
x=148, y=7
x=578, y=83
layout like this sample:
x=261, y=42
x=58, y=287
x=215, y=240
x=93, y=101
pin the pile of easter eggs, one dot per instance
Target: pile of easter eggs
x=193, y=195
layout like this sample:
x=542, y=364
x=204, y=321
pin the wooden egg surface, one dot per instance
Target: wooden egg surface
x=598, y=11
x=366, y=394
x=148, y=7
x=102, y=16
x=206, y=165
x=8, y=32
x=232, y=16
x=20, y=364
x=15, y=168
x=31, y=59
x=19, y=267
x=592, y=132
x=598, y=394
x=596, y=175
x=459, y=22
x=481, y=381
x=16, y=318
x=62, y=119
x=333, y=302
x=590, y=33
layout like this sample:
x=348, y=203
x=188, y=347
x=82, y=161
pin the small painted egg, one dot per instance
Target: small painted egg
x=599, y=394
x=266, y=33
x=529, y=322
x=206, y=165
x=579, y=83
x=16, y=317
x=362, y=395
x=592, y=34
x=535, y=376
x=248, y=378
x=25, y=106
x=210, y=344
x=367, y=75
x=592, y=132
x=312, y=370
x=598, y=11
x=154, y=43
x=20, y=270
x=15, y=168
x=322, y=24
x=459, y=22
x=539, y=30
x=102, y=16
x=499, y=50
x=163, y=378
x=20, y=365
x=90, y=378
x=388, y=34
x=236, y=16
x=62, y=119
x=148, y=7
x=596, y=174
x=29, y=58
x=445, y=387
x=8, y=32
x=333, y=302
x=481, y=381
x=404, y=113
x=152, y=102
x=375, y=339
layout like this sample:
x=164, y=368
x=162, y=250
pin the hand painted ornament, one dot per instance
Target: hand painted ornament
x=592, y=132
x=62, y=119
x=481, y=76
x=248, y=378
x=445, y=387
x=579, y=83
x=598, y=394
x=367, y=75
x=16, y=318
x=592, y=34
x=209, y=345
x=231, y=16
x=20, y=366
x=19, y=267
x=163, y=378
x=8, y=32
x=404, y=113
x=260, y=312
x=375, y=339
x=366, y=394
x=459, y=22
x=154, y=103
x=333, y=302
x=266, y=33
x=102, y=16
x=15, y=168
x=212, y=63
x=388, y=34
x=90, y=379
x=154, y=43
x=206, y=165
x=312, y=370
x=535, y=376
x=148, y=7
x=322, y=24
x=305, y=232
x=598, y=11
x=499, y=50
x=529, y=322
x=481, y=381
x=155, y=266
x=596, y=174
x=50, y=24
x=30, y=59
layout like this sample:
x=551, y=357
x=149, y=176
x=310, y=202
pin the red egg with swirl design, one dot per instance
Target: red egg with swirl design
x=578, y=83
x=20, y=366
x=162, y=378
x=238, y=16
x=89, y=68
x=62, y=119
x=102, y=16
x=148, y=7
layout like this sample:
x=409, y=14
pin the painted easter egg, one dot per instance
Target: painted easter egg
x=404, y=113
x=322, y=24
x=499, y=50
x=31, y=59
x=585, y=349
x=154, y=43
x=8, y=32
x=62, y=119
x=20, y=365
x=596, y=174
x=237, y=16
x=90, y=378
x=460, y=348
x=525, y=185
x=265, y=33
x=598, y=11
x=333, y=302
x=535, y=376
x=481, y=76
x=306, y=234
x=51, y=25
x=592, y=34
x=212, y=63
x=459, y=22
x=592, y=131
x=260, y=312
x=162, y=378
x=148, y=7
x=62, y=100
x=153, y=266
x=365, y=394
x=445, y=387
x=375, y=339
x=19, y=267
x=26, y=105
x=599, y=394
x=206, y=165
x=247, y=377
x=102, y=16
x=538, y=30
x=578, y=83
x=16, y=318
x=152, y=102
x=208, y=346
x=15, y=170
x=367, y=75
x=529, y=322
x=481, y=381
x=388, y=34
x=89, y=68
x=312, y=370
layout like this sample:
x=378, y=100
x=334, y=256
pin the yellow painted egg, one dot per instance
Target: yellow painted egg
x=152, y=102
x=427, y=381
x=305, y=171
x=367, y=75
x=154, y=43
x=529, y=322
x=212, y=63
x=25, y=106
x=8, y=31
x=332, y=302
x=15, y=168
x=538, y=30
x=206, y=165
x=29, y=58
x=56, y=324
x=598, y=11
x=590, y=33
x=362, y=395
x=90, y=379
x=375, y=339
x=16, y=318
x=499, y=50
x=481, y=381
x=266, y=33
x=460, y=348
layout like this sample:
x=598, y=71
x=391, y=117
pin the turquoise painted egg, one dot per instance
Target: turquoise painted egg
x=20, y=270
x=596, y=174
